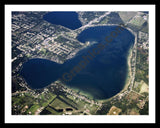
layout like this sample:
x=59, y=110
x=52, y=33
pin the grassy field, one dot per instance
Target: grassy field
x=144, y=87
x=53, y=112
x=141, y=87
x=104, y=20
x=137, y=21
x=69, y=105
x=126, y=16
x=33, y=109
x=132, y=111
x=68, y=101
x=58, y=104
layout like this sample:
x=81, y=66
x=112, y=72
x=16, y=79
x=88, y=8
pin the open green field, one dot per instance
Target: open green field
x=138, y=21
x=53, y=111
x=141, y=87
x=33, y=108
x=144, y=87
x=58, y=104
x=104, y=20
x=68, y=105
x=126, y=16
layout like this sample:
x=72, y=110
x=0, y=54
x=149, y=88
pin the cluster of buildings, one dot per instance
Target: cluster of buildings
x=79, y=96
x=38, y=38
x=21, y=21
x=143, y=40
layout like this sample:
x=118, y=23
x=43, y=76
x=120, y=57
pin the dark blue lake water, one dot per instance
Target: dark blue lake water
x=66, y=19
x=103, y=77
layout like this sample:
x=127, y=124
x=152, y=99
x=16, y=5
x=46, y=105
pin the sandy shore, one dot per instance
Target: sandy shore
x=128, y=79
x=129, y=74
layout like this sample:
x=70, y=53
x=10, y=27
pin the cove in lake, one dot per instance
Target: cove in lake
x=66, y=19
x=102, y=78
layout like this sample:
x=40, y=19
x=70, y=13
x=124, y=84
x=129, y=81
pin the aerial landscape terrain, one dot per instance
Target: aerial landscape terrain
x=80, y=63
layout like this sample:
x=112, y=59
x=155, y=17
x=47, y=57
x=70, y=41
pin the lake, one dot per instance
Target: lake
x=103, y=77
x=67, y=19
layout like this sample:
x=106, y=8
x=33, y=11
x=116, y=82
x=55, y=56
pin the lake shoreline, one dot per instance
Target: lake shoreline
x=125, y=87
x=102, y=92
x=128, y=79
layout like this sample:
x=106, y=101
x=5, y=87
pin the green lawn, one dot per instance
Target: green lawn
x=69, y=101
x=104, y=21
x=58, y=104
x=33, y=109
x=53, y=111
x=138, y=21
x=126, y=16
